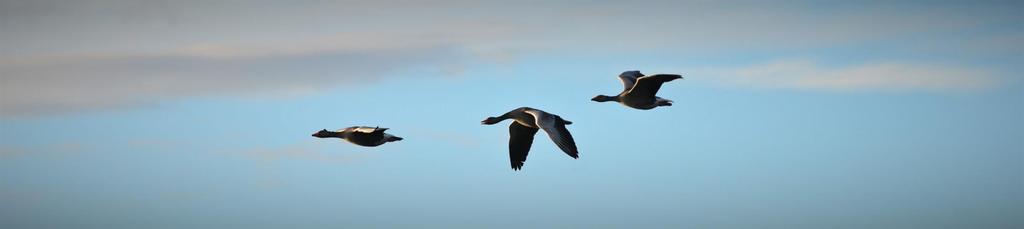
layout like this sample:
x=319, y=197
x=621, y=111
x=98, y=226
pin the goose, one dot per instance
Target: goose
x=360, y=135
x=525, y=125
x=640, y=90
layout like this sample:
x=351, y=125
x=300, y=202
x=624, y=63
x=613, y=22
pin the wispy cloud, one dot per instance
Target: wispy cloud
x=804, y=74
x=111, y=54
x=75, y=84
x=45, y=84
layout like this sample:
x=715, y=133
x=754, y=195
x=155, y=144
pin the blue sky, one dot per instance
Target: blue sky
x=171, y=114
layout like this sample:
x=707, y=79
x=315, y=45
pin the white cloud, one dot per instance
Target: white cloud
x=886, y=76
x=88, y=55
x=78, y=84
x=46, y=84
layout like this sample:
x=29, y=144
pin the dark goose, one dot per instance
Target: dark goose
x=360, y=135
x=640, y=90
x=527, y=121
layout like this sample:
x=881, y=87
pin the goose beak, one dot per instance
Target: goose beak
x=488, y=121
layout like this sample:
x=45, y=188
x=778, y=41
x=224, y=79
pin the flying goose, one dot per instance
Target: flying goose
x=526, y=123
x=360, y=135
x=640, y=90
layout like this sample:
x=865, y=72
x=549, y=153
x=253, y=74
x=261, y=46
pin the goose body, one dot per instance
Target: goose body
x=360, y=135
x=526, y=122
x=640, y=91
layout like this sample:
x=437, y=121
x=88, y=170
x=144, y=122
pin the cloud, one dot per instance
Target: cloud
x=60, y=57
x=804, y=74
x=48, y=84
x=90, y=83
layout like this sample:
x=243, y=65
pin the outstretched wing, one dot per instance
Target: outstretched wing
x=629, y=79
x=519, y=142
x=648, y=86
x=555, y=127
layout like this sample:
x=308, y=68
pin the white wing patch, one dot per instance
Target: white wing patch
x=541, y=118
x=364, y=129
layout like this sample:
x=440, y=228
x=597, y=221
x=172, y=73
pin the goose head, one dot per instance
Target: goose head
x=322, y=133
x=491, y=120
x=603, y=98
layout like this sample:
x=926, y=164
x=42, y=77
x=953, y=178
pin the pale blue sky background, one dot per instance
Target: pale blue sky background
x=177, y=114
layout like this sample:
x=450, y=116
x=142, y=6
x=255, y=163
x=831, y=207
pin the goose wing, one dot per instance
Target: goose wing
x=367, y=129
x=629, y=79
x=369, y=132
x=555, y=127
x=519, y=142
x=648, y=86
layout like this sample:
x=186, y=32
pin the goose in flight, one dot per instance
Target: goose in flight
x=640, y=90
x=360, y=135
x=526, y=122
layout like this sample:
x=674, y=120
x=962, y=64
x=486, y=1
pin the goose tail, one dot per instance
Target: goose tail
x=663, y=102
